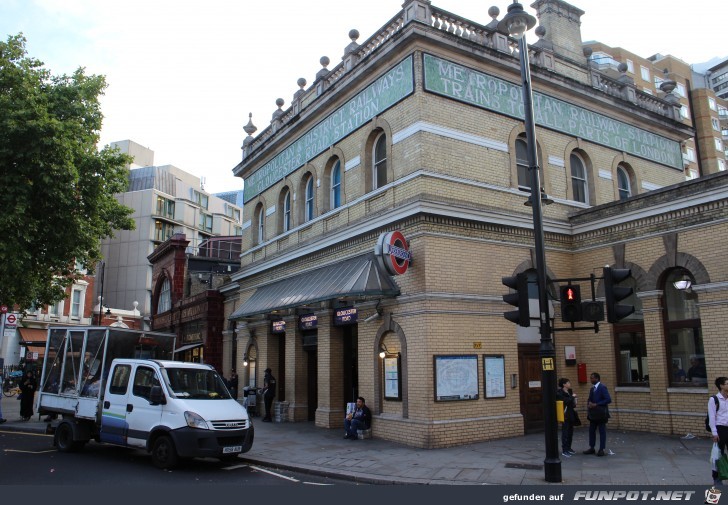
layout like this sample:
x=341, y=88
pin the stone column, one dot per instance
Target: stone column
x=331, y=407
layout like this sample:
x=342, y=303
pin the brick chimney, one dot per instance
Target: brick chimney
x=563, y=26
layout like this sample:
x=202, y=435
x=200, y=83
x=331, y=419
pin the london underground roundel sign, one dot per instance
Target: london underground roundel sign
x=393, y=251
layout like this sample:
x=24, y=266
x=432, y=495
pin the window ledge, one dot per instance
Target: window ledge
x=692, y=391
x=630, y=389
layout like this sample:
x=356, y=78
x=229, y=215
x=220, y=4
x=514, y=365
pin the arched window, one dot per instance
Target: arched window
x=379, y=166
x=165, y=297
x=579, y=184
x=335, y=196
x=308, y=215
x=686, y=356
x=286, y=210
x=524, y=179
x=260, y=224
x=623, y=184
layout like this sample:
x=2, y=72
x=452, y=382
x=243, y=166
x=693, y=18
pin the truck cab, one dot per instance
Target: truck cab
x=171, y=409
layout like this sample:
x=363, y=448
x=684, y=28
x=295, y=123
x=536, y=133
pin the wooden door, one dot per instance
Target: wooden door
x=530, y=387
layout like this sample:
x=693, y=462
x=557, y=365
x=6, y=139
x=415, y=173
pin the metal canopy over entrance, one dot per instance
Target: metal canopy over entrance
x=359, y=276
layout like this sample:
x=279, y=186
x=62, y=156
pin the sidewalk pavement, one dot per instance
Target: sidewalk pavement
x=633, y=458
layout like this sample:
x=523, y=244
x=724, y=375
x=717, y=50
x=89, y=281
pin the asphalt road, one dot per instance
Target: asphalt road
x=29, y=459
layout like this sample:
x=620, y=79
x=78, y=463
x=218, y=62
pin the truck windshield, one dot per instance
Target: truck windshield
x=195, y=383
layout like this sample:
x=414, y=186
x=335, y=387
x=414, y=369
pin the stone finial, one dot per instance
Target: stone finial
x=493, y=12
x=667, y=86
x=623, y=76
x=301, y=85
x=540, y=31
x=324, y=61
x=353, y=46
x=278, y=113
x=250, y=128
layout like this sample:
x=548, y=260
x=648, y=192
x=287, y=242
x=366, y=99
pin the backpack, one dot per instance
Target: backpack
x=707, y=418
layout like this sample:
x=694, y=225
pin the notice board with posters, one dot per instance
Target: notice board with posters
x=456, y=378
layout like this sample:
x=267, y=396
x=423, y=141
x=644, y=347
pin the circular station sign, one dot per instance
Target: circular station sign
x=11, y=319
x=393, y=251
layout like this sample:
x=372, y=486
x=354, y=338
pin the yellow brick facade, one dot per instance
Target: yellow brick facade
x=452, y=190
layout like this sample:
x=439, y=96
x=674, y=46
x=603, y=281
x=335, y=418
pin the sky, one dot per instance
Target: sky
x=183, y=75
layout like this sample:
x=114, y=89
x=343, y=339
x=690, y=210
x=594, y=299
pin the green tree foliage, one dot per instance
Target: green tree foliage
x=57, y=198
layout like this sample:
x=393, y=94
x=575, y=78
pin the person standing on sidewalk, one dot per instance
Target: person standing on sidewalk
x=598, y=414
x=269, y=392
x=718, y=419
x=28, y=386
x=567, y=428
x=2, y=419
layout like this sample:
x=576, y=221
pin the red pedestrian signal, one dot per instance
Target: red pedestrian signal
x=571, y=303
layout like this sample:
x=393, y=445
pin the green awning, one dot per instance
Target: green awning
x=361, y=276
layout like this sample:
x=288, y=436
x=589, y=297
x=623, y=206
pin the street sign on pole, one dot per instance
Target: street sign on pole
x=3, y=309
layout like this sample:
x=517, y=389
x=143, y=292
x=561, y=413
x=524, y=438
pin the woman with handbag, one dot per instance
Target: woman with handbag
x=565, y=394
x=598, y=414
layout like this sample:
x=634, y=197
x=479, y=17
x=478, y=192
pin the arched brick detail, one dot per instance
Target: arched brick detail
x=684, y=260
x=529, y=265
x=389, y=325
x=158, y=289
x=375, y=127
x=644, y=281
x=517, y=131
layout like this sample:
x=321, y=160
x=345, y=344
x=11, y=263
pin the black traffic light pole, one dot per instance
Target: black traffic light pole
x=552, y=463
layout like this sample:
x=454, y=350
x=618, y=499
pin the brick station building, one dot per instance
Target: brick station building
x=419, y=131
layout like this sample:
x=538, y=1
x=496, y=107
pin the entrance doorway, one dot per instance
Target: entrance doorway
x=351, y=363
x=530, y=387
x=312, y=389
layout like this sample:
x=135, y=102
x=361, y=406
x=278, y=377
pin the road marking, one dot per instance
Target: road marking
x=317, y=484
x=25, y=433
x=28, y=452
x=235, y=467
x=274, y=473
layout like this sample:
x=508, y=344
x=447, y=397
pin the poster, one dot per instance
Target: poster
x=456, y=378
x=392, y=390
x=495, y=376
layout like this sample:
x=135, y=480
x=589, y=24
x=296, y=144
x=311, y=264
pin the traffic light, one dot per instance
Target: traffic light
x=522, y=316
x=571, y=303
x=615, y=294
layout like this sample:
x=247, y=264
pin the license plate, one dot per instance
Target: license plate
x=232, y=449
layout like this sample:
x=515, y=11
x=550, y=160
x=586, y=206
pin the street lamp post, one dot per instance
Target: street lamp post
x=101, y=298
x=516, y=23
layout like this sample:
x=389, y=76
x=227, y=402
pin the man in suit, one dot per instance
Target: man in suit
x=598, y=414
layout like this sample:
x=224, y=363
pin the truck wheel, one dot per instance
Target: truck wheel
x=64, y=439
x=164, y=455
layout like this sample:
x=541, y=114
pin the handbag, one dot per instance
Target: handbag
x=20, y=396
x=576, y=421
x=598, y=413
x=722, y=467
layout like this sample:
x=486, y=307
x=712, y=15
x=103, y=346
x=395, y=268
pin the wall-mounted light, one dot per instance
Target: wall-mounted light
x=245, y=359
x=683, y=284
x=383, y=351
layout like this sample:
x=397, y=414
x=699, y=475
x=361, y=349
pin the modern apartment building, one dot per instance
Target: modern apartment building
x=166, y=200
x=701, y=107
